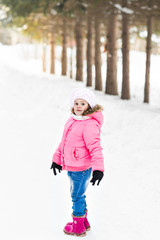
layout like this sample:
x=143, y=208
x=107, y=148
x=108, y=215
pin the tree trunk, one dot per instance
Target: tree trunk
x=125, y=54
x=89, y=52
x=98, y=78
x=64, y=49
x=71, y=59
x=52, y=53
x=71, y=51
x=79, y=53
x=111, y=79
x=44, y=55
x=148, y=56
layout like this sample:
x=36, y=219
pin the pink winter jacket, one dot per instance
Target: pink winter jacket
x=80, y=146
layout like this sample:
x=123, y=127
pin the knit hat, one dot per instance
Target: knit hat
x=85, y=94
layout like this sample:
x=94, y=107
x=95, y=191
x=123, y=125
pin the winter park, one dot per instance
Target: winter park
x=47, y=50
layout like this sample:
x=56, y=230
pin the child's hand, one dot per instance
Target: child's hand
x=54, y=166
x=97, y=175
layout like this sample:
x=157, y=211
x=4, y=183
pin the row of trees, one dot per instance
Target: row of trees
x=79, y=19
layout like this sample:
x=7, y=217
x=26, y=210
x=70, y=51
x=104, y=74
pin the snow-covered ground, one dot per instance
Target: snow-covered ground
x=35, y=204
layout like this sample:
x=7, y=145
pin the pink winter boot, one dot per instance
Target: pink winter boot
x=77, y=227
x=86, y=223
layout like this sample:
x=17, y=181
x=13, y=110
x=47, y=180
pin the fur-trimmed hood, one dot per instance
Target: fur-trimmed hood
x=95, y=113
x=89, y=111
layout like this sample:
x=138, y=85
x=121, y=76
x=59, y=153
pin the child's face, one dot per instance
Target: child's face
x=80, y=105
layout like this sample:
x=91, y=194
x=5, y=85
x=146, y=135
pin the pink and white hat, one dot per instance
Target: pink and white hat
x=85, y=94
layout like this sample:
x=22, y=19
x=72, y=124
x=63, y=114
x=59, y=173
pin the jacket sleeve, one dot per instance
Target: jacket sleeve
x=91, y=136
x=57, y=155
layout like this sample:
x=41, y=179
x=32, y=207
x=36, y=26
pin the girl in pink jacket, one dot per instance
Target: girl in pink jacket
x=80, y=153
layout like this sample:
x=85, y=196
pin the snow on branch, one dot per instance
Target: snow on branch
x=122, y=9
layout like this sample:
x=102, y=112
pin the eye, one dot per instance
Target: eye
x=76, y=103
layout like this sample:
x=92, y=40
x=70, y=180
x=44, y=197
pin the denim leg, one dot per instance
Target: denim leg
x=79, y=182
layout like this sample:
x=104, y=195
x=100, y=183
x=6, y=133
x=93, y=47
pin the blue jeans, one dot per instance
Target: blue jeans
x=79, y=182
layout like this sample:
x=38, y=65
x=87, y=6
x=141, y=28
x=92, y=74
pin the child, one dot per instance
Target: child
x=80, y=153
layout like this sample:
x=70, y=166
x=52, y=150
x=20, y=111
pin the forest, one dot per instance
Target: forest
x=79, y=22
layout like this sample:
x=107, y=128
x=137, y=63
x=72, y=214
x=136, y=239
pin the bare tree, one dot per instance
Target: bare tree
x=79, y=53
x=44, y=45
x=89, y=51
x=125, y=53
x=111, y=78
x=148, y=56
x=98, y=77
x=52, y=52
x=71, y=49
x=64, y=48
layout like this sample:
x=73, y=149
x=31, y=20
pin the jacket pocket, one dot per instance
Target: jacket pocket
x=80, y=153
x=75, y=154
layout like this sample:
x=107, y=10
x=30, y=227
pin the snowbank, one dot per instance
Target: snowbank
x=36, y=205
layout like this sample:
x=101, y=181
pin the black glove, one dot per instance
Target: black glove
x=54, y=166
x=97, y=175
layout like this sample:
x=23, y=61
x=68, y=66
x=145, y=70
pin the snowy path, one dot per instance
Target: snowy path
x=34, y=204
